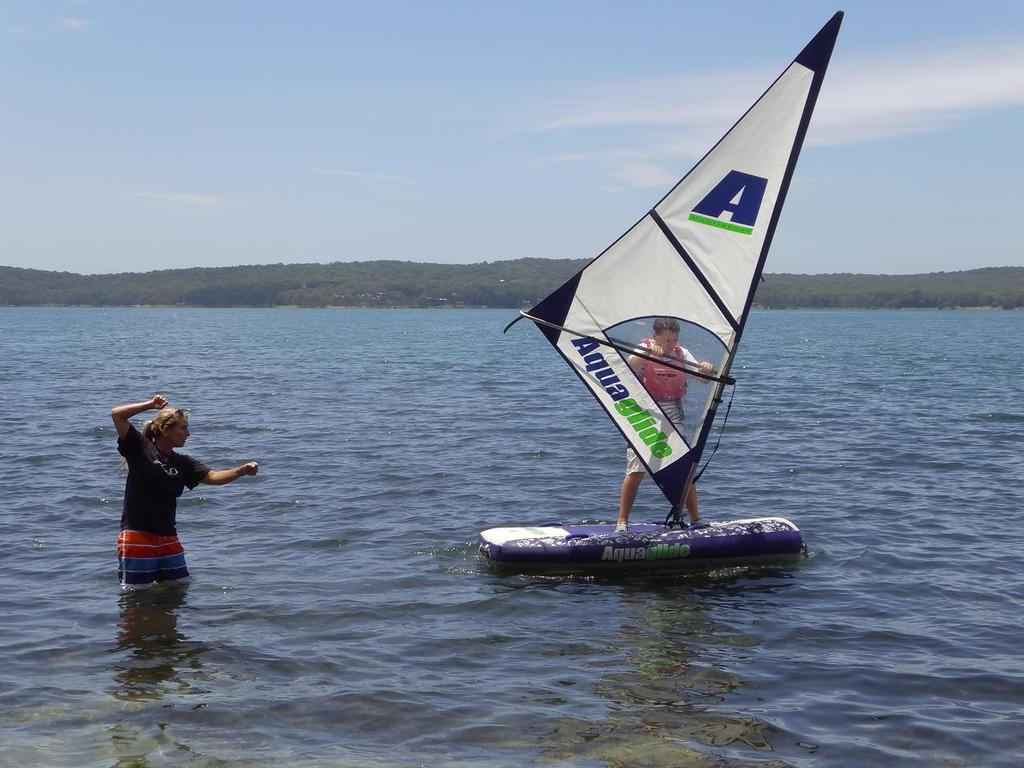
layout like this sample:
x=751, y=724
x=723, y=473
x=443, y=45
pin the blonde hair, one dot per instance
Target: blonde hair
x=162, y=422
x=158, y=425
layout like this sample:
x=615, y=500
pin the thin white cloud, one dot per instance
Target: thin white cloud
x=18, y=30
x=364, y=176
x=896, y=96
x=643, y=175
x=864, y=99
x=205, y=202
x=668, y=102
x=45, y=29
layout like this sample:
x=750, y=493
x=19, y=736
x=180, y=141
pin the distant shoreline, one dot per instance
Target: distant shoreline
x=516, y=284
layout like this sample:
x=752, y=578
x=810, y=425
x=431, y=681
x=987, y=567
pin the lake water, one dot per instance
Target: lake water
x=339, y=614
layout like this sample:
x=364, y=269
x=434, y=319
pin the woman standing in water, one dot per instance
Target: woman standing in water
x=148, y=550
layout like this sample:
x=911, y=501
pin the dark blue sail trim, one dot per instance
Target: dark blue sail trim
x=815, y=56
x=555, y=308
x=708, y=288
x=672, y=479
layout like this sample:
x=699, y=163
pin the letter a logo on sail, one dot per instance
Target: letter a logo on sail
x=740, y=194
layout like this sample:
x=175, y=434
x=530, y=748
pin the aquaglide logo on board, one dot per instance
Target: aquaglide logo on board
x=739, y=194
x=657, y=552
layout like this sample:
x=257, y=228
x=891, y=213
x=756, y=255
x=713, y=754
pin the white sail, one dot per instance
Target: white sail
x=696, y=257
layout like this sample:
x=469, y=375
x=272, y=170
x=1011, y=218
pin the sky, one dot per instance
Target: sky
x=137, y=136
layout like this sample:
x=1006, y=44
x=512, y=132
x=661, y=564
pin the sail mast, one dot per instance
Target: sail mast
x=815, y=56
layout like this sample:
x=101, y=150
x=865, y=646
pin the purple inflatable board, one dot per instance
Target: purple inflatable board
x=644, y=547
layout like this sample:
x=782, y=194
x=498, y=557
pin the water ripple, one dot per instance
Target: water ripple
x=340, y=615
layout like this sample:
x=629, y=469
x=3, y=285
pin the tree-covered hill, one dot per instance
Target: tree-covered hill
x=518, y=283
x=360, y=284
x=989, y=287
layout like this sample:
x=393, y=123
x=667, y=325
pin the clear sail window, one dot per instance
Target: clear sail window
x=677, y=344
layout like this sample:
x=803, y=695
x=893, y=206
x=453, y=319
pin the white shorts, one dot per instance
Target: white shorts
x=633, y=465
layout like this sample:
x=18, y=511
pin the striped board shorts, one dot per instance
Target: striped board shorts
x=146, y=558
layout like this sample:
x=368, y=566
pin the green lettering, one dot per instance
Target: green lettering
x=637, y=418
x=627, y=406
x=651, y=435
x=661, y=450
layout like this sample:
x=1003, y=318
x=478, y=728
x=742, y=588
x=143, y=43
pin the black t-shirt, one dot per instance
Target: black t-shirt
x=154, y=484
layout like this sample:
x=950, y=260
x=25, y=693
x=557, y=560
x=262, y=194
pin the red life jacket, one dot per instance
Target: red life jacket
x=664, y=383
